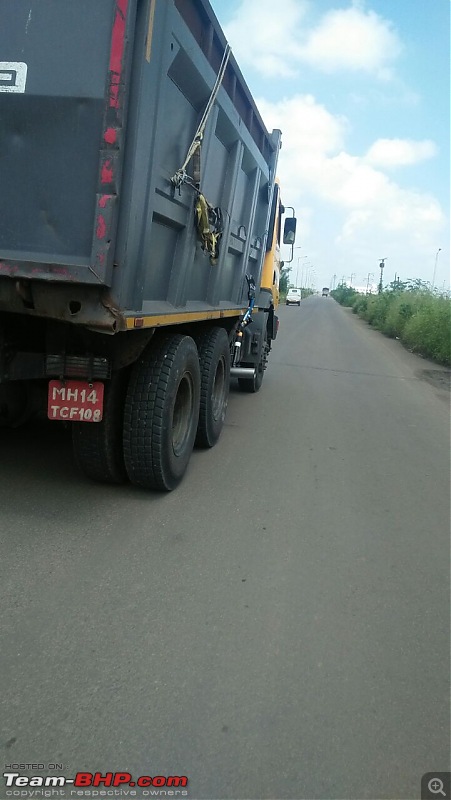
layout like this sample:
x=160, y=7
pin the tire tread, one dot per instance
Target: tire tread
x=144, y=414
x=208, y=345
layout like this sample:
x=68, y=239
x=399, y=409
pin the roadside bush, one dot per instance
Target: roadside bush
x=344, y=295
x=377, y=309
x=420, y=318
x=403, y=306
x=360, y=304
x=428, y=330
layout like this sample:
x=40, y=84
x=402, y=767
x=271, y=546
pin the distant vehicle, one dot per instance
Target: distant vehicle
x=294, y=297
x=325, y=292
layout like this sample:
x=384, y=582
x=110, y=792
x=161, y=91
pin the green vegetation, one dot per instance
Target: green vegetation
x=285, y=283
x=345, y=295
x=410, y=312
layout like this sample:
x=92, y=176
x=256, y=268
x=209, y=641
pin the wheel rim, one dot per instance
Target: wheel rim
x=218, y=390
x=182, y=415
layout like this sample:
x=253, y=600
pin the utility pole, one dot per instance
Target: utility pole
x=370, y=275
x=297, y=270
x=381, y=267
x=352, y=276
x=435, y=267
x=334, y=280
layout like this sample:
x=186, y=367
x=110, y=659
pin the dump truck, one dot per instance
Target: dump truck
x=140, y=230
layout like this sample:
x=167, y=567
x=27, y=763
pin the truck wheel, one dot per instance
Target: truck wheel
x=214, y=357
x=97, y=446
x=161, y=413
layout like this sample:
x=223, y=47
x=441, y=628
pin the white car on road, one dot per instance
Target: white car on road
x=294, y=296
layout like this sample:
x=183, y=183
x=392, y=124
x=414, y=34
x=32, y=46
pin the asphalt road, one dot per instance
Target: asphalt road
x=278, y=627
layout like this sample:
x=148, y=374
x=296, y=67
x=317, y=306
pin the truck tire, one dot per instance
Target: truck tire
x=162, y=412
x=97, y=446
x=253, y=385
x=214, y=358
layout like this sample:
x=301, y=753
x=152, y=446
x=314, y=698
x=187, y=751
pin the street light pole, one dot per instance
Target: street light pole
x=381, y=265
x=309, y=277
x=305, y=268
x=297, y=269
x=435, y=267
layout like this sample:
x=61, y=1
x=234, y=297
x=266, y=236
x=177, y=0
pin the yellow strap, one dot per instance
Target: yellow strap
x=209, y=238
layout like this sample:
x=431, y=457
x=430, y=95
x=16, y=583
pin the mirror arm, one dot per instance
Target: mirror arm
x=289, y=260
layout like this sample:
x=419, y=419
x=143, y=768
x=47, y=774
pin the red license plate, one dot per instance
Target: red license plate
x=75, y=401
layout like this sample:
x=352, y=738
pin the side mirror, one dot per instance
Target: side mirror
x=289, y=230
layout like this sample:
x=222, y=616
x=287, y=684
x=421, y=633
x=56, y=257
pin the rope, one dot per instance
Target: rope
x=181, y=176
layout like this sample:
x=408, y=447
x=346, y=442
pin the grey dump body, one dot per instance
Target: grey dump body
x=99, y=102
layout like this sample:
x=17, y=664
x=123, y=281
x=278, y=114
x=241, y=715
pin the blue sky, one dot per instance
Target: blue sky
x=360, y=90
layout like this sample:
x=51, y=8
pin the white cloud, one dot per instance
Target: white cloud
x=350, y=182
x=400, y=152
x=266, y=37
x=395, y=211
x=351, y=210
x=353, y=39
x=366, y=214
x=309, y=127
x=396, y=94
x=276, y=40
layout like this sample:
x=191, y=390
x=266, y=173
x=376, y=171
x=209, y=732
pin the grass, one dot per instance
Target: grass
x=421, y=319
